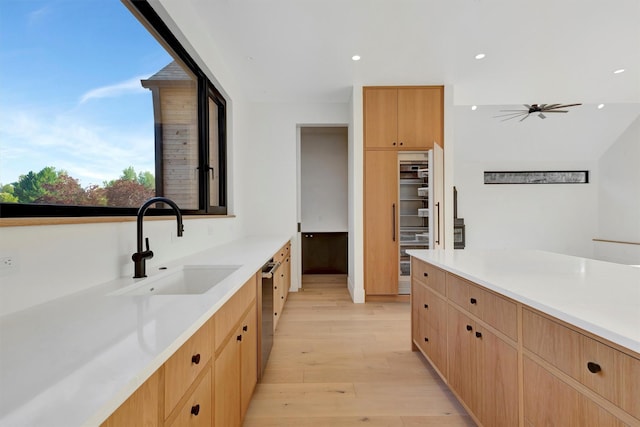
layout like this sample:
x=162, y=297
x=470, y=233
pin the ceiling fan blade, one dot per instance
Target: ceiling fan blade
x=514, y=117
x=523, y=111
x=551, y=106
x=542, y=116
x=527, y=106
x=565, y=106
x=512, y=114
x=542, y=106
x=556, y=111
x=524, y=117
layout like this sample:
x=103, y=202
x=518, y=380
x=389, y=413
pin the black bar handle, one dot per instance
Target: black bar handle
x=393, y=220
x=195, y=410
x=438, y=225
x=195, y=359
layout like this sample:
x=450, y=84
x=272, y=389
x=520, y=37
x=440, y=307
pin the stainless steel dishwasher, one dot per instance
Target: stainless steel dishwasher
x=266, y=336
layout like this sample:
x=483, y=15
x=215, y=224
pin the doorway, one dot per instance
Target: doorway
x=323, y=210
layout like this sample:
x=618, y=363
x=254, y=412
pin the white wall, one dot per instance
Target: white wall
x=555, y=217
x=619, y=198
x=356, y=196
x=324, y=192
x=269, y=166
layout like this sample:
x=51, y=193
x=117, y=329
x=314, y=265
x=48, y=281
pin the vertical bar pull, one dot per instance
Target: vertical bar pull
x=438, y=225
x=393, y=221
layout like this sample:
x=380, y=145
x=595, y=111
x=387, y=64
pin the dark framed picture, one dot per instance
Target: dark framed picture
x=536, y=177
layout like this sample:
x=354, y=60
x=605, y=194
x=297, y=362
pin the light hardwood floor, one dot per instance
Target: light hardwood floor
x=335, y=363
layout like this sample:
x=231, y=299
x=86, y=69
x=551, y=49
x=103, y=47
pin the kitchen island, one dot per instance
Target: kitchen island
x=73, y=361
x=531, y=337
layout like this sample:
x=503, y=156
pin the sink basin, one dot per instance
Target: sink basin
x=185, y=280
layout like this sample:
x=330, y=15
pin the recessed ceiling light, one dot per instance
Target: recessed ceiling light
x=600, y=106
x=621, y=70
x=474, y=107
x=480, y=56
x=356, y=57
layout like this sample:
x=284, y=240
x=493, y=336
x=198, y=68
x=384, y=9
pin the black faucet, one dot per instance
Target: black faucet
x=140, y=257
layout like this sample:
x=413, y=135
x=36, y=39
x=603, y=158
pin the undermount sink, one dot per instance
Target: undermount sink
x=184, y=280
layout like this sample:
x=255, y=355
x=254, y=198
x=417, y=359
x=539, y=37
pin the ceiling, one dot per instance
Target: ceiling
x=544, y=51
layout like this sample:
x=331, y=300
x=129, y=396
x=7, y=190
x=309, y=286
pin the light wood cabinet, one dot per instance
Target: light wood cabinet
x=184, y=366
x=197, y=409
x=403, y=117
x=511, y=365
x=604, y=370
x=236, y=372
x=548, y=401
x=142, y=407
x=381, y=223
x=430, y=334
x=483, y=370
x=281, y=282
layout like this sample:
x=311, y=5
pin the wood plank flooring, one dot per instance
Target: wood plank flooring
x=335, y=363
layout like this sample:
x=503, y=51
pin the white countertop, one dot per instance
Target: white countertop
x=600, y=297
x=74, y=360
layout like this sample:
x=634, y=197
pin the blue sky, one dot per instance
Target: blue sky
x=70, y=93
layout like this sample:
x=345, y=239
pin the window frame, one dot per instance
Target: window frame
x=148, y=17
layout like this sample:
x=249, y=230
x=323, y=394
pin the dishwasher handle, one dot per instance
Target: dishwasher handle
x=269, y=269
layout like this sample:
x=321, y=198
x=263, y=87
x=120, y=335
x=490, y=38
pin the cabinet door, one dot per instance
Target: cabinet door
x=249, y=359
x=462, y=363
x=434, y=321
x=380, y=117
x=227, y=383
x=381, y=223
x=141, y=409
x=420, y=117
x=497, y=380
x=417, y=306
x=438, y=198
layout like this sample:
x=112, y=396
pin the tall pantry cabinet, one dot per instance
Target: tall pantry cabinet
x=400, y=123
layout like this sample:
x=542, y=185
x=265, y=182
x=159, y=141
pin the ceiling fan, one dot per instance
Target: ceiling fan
x=541, y=109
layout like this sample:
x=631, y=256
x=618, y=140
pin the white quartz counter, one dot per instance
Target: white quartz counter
x=600, y=297
x=73, y=361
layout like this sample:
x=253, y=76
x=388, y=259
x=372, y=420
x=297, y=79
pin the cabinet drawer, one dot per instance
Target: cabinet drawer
x=227, y=317
x=550, y=402
x=185, y=365
x=197, y=409
x=611, y=373
x=493, y=309
x=282, y=254
x=431, y=276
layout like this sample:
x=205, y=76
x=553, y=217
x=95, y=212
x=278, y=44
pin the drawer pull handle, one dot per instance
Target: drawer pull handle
x=594, y=368
x=426, y=306
x=245, y=328
x=469, y=328
x=426, y=274
x=478, y=334
x=195, y=410
x=473, y=300
x=426, y=339
x=195, y=359
x=239, y=338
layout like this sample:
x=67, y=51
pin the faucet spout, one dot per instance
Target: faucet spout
x=141, y=256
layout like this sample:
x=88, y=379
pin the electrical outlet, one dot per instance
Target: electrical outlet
x=8, y=263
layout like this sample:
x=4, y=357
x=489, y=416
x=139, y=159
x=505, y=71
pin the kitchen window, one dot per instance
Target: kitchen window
x=103, y=108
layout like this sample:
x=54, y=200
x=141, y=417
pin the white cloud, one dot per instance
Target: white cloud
x=29, y=141
x=131, y=86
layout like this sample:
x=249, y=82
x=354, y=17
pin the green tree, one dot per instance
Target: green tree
x=6, y=194
x=147, y=180
x=129, y=174
x=32, y=186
